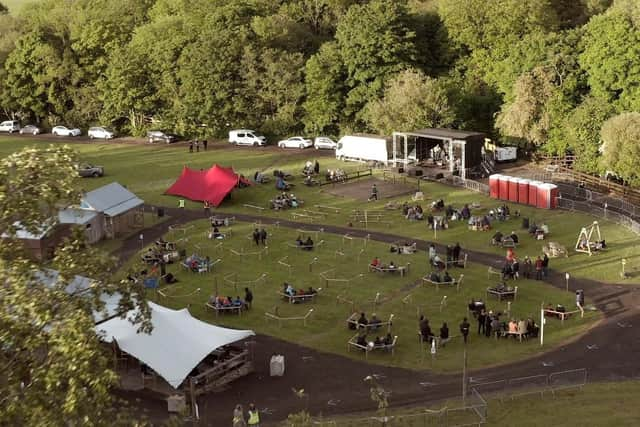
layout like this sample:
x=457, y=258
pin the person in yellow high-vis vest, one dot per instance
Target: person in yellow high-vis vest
x=254, y=417
x=238, y=417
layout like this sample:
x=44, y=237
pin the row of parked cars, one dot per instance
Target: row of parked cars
x=253, y=138
x=12, y=126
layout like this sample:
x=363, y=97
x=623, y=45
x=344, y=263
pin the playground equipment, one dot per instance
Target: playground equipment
x=588, y=243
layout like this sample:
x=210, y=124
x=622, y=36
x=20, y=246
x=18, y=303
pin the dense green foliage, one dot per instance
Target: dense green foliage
x=523, y=71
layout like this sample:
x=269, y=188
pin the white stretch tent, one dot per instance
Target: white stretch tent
x=176, y=345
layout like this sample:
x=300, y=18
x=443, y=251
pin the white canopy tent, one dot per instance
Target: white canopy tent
x=176, y=345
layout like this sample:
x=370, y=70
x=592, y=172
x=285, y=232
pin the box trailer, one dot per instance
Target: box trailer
x=363, y=148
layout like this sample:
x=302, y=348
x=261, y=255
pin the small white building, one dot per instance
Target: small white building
x=120, y=209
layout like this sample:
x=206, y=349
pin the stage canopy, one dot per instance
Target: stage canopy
x=211, y=185
x=176, y=345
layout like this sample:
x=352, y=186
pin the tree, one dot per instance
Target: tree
x=411, y=101
x=4, y=10
x=621, y=146
x=325, y=91
x=375, y=42
x=610, y=57
x=582, y=132
x=53, y=370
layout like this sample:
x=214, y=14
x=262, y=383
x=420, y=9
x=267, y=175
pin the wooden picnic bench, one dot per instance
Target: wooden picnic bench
x=455, y=282
x=506, y=293
x=560, y=314
x=294, y=299
x=224, y=309
x=517, y=334
x=402, y=269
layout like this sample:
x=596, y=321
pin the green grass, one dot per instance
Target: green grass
x=150, y=170
x=595, y=405
x=327, y=330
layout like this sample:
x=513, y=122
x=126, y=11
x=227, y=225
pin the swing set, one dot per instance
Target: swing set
x=587, y=242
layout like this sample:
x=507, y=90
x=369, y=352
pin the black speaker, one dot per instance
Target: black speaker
x=160, y=212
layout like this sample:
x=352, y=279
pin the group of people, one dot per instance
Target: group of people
x=412, y=213
x=311, y=168
x=378, y=265
x=427, y=335
x=498, y=238
x=290, y=291
x=490, y=324
x=221, y=301
x=285, y=201
x=378, y=342
x=446, y=277
x=335, y=175
x=538, y=269
x=365, y=326
x=363, y=323
x=306, y=245
x=196, y=144
x=252, y=419
x=260, y=236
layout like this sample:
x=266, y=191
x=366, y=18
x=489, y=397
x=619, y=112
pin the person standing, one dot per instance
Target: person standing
x=197, y=146
x=464, y=329
x=256, y=236
x=207, y=208
x=316, y=168
x=254, y=416
x=374, y=193
x=191, y=146
x=204, y=144
x=545, y=266
x=538, y=268
x=263, y=237
x=248, y=298
x=238, y=417
x=482, y=318
x=456, y=254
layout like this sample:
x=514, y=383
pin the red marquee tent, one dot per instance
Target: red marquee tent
x=211, y=185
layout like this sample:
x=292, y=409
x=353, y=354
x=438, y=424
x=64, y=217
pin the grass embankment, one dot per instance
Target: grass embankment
x=326, y=330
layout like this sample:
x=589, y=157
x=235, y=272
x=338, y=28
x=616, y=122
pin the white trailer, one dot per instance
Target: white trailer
x=363, y=149
x=505, y=154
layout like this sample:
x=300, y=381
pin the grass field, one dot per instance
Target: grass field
x=404, y=297
x=150, y=170
x=595, y=405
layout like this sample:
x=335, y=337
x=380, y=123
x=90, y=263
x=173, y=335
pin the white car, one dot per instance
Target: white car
x=99, y=132
x=325, y=143
x=246, y=137
x=65, y=131
x=295, y=142
x=10, y=126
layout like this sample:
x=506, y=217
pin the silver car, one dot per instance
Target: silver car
x=30, y=129
x=87, y=170
x=65, y=131
x=160, y=136
x=100, y=132
x=324, y=143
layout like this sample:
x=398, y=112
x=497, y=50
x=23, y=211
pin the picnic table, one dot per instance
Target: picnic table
x=353, y=344
x=517, y=334
x=225, y=308
x=455, y=282
x=559, y=314
x=352, y=323
x=506, y=292
x=295, y=299
x=402, y=269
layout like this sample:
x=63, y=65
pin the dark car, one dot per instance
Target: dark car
x=86, y=170
x=160, y=136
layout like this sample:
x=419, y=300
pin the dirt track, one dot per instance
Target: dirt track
x=335, y=384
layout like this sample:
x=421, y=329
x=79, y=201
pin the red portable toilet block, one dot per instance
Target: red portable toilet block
x=533, y=192
x=504, y=187
x=513, y=189
x=547, y=194
x=494, y=186
x=523, y=191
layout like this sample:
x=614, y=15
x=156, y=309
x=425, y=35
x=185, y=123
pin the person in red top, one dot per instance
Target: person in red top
x=511, y=255
x=538, y=268
x=375, y=262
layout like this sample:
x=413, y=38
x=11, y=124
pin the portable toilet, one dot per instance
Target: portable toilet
x=513, y=189
x=533, y=193
x=547, y=194
x=494, y=186
x=503, y=193
x=523, y=191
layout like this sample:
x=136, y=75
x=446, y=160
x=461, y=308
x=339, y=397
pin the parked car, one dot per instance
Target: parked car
x=30, y=129
x=65, y=131
x=246, y=137
x=295, y=142
x=87, y=170
x=10, y=126
x=100, y=132
x=325, y=143
x=160, y=136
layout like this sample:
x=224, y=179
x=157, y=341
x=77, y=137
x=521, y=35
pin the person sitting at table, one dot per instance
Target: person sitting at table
x=308, y=244
x=388, y=340
x=378, y=342
x=170, y=279
x=374, y=323
x=362, y=321
x=601, y=244
x=392, y=267
x=513, y=326
x=465, y=213
x=419, y=212
x=438, y=263
x=533, y=228
x=449, y=212
x=434, y=277
x=514, y=237
x=444, y=334
x=411, y=214
x=375, y=262
x=362, y=340
x=216, y=234
x=497, y=238
x=447, y=278
x=430, y=221
x=213, y=300
x=238, y=302
x=532, y=328
x=289, y=290
x=228, y=301
x=485, y=223
x=522, y=327
x=299, y=241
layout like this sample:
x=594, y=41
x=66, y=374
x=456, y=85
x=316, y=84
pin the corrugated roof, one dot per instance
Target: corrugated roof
x=446, y=133
x=76, y=216
x=24, y=234
x=112, y=199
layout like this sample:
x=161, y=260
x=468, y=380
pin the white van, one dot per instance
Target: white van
x=246, y=137
x=10, y=126
x=363, y=148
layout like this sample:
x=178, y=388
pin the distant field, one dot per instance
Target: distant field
x=15, y=5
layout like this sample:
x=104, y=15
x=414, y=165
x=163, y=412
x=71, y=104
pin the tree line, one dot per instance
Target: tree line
x=559, y=75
